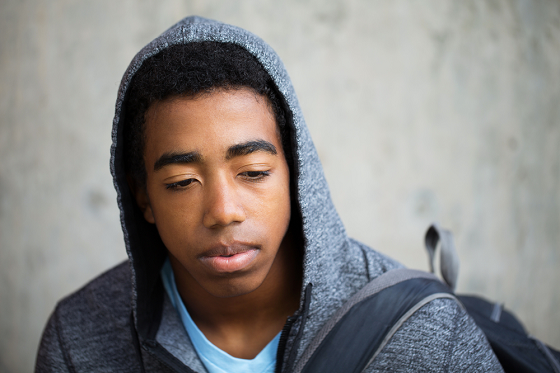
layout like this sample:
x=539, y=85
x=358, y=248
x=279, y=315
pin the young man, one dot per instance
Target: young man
x=237, y=256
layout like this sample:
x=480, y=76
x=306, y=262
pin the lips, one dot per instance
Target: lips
x=231, y=258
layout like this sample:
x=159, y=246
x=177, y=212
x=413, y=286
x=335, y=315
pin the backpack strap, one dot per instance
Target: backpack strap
x=448, y=258
x=359, y=330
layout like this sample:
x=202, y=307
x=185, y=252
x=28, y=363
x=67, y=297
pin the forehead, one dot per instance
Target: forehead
x=209, y=122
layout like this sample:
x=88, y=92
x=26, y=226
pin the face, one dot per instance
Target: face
x=217, y=188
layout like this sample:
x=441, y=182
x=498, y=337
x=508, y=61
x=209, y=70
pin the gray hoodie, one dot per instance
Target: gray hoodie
x=123, y=321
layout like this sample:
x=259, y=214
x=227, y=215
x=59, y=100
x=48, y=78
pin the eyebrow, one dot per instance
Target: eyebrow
x=250, y=147
x=171, y=158
x=232, y=152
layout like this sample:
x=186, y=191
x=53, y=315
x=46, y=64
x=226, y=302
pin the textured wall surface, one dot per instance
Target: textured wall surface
x=421, y=111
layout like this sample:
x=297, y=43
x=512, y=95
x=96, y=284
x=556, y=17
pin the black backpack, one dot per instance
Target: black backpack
x=368, y=320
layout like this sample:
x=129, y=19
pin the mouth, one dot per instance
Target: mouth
x=228, y=259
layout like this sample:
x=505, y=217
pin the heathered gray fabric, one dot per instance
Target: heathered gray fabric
x=439, y=338
x=92, y=330
x=173, y=336
x=89, y=331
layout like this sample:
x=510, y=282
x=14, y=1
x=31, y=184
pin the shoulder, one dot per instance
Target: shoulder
x=91, y=327
x=376, y=262
x=107, y=297
x=439, y=337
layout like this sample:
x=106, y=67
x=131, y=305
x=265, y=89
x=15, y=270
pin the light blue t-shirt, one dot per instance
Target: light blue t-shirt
x=214, y=359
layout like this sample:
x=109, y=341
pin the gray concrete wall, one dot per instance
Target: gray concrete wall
x=444, y=110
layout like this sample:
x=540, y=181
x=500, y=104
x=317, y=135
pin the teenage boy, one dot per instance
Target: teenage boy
x=237, y=256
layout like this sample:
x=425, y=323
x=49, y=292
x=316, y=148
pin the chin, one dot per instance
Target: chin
x=233, y=288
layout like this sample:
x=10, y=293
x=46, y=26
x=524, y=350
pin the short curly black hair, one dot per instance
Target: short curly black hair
x=188, y=70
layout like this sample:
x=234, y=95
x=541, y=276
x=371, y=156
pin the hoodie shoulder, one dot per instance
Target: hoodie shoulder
x=90, y=329
x=440, y=337
x=376, y=262
x=107, y=295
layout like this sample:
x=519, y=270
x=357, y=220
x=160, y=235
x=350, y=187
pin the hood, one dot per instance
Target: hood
x=335, y=265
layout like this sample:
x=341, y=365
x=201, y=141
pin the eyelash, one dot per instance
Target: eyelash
x=254, y=176
x=179, y=184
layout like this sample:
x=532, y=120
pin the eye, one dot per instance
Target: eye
x=180, y=184
x=254, y=175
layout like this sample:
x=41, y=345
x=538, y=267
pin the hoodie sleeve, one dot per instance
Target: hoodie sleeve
x=50, y=357
x=440, y=337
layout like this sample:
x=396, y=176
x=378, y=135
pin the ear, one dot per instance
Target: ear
x=142, y=200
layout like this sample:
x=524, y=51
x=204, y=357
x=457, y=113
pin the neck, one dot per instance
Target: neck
x=243, y=325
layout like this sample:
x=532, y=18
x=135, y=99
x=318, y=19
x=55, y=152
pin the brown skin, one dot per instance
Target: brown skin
x=209, y=202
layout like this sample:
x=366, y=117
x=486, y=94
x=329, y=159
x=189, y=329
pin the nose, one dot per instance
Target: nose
x=223, y=205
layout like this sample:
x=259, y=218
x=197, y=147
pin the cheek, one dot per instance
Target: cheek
x=278, y=208
x=175, y=219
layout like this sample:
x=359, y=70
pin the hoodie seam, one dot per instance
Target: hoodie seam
x=67, y=360
x=452, y=342
x=366, y=261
